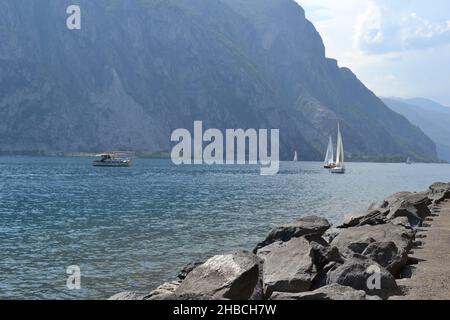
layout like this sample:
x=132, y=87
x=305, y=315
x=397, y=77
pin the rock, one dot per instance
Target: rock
x=370, y=217
x=439, y=187
x=402, y=221
x=396, y=197
x=420, y=201
x=323, y=253
x=165, y=291
x=128, y=295
x=360, y=246
x=187, y=269
x=357, y=237
x=408, y=212
x=293, y=266
x=258, y=293
x=311, y=225
x=162, y=297
x=360, y=274
x=321, y=278
x=232, y=276
x=388, y=255
x=439, y=197
x=330, y=292
x=330, y=234
x=288, y=266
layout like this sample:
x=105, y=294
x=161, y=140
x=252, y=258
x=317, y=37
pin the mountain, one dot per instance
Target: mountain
x=432, y=117
x=139, y=69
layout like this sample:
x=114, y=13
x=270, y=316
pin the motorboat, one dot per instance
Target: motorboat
x=111, y=160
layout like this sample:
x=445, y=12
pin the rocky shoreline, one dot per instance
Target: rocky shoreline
x=363, y=259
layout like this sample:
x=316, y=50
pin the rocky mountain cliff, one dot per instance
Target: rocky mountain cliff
x=431, y=117
x=140, y=68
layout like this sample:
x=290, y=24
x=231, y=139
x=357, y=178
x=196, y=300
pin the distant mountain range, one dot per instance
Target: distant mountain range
x=139, y=69
x=432, y=117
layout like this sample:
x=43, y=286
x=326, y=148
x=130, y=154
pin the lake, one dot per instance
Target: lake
x=134, y=228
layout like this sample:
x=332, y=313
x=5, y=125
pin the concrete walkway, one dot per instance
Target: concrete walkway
x=431, y=276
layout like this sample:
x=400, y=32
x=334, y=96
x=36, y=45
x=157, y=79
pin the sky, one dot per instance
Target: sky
x=398, y=48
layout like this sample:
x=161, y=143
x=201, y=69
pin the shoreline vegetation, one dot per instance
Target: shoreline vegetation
x=90, y=154
x=166, y=155
x=368, y=257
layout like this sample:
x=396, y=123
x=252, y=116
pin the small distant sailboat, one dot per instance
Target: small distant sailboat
x=329, y=157
x=339, y=166
x=409, y=161
x=295, y=156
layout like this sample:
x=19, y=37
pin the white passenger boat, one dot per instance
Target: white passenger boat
x=111, y=160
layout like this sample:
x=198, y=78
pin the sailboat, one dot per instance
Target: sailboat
x=295, y=156
x=329, y=157
x=339, y=164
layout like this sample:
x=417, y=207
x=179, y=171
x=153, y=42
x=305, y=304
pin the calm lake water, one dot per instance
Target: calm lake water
x=133, y=228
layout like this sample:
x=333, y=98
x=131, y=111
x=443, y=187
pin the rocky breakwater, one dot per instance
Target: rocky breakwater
x=362, y=259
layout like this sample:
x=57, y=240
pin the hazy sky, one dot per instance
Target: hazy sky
x=396, y=47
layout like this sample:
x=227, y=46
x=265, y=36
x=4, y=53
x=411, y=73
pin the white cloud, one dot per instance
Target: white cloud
x=381, y=29
x=368, y=30
x=397, y=48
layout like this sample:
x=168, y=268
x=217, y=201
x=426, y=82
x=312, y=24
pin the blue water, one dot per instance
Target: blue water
x=133, y=228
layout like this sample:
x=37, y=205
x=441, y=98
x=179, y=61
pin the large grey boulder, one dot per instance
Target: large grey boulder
x=231, y=276
x=439, y=191
x=396, y=197
x=439, y=187
x=310, y=225
x=407, y=211
x=418, y=201
x=360, y=236
x=388, y=255
x=364, y=274
x=288, y=266
x=331, y=292
x=293, y=266
x=439, y=197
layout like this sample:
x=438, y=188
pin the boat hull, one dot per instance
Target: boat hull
x=111, y=164
x=338, y=170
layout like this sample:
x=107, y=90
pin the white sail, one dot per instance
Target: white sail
x=339, y=165
x=339, y=149
x=329, y=157
x=295, y=156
